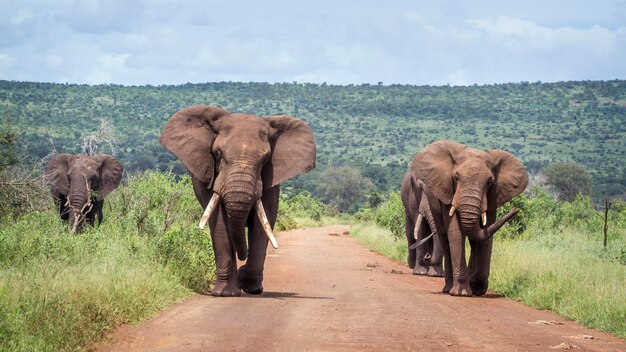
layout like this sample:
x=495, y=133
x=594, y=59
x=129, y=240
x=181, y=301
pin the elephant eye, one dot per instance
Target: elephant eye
x=218, y=154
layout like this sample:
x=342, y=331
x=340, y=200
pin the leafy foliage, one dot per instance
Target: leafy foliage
x=344, y=187
x=568, y=179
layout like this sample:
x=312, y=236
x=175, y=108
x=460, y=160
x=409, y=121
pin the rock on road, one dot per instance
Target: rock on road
x=328, y=293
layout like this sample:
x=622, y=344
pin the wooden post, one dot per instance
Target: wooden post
x=607, y=205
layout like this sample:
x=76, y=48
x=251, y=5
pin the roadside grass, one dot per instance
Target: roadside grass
x=380, y=240
x=566, y=271
x=60, y=291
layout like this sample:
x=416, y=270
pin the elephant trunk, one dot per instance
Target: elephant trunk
x=79, y=200
x=239, y=197
x=487, y=233
x=470, y=211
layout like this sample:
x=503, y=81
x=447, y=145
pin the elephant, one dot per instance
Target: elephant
x=425, y=254
x=79, y=184
x=237, y=162
x=465, y=186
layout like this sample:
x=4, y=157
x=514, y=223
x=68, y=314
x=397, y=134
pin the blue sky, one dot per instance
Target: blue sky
x=338, y=42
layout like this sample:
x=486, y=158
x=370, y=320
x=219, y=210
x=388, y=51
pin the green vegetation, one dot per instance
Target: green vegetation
x=60, y=291
x=373, y=128
x=551, y=256
x=568, y=180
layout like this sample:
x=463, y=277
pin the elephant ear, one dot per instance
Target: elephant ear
x=111, y=172
x=189, y=136
x=433, y=165
x=55, y=172
x=511, y=176
x=293, y=150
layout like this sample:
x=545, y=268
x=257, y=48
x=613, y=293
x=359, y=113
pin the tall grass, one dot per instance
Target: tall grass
x=60, y=291
x=551, y=256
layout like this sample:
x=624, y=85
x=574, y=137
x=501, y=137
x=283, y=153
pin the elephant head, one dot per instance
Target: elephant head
x=79, y=180
x=471, y=182
x=239, y=156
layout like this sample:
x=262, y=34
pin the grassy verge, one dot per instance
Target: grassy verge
x=380, y=240
x=567, y=272
x=60, y=291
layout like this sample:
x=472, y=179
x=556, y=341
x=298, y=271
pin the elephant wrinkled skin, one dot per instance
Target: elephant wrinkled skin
x=425, y=255
x=237, y=162
x=79, y=184
x=465, y=186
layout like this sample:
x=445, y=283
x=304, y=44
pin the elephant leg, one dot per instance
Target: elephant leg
x=460, y=284
x=479, y=265
x=250, y=276
x=447, y=273
x=96, y=211
x=409, y=227
x=421, y=267
x=436, y=259
x=61, y=201
x=226, y=281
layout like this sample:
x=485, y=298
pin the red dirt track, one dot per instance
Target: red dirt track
x=329, y=293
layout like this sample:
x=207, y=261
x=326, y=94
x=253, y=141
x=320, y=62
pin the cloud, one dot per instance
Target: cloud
x=163, y=42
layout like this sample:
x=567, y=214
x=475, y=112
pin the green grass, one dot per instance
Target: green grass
x=567, y=272
x=564, y=270
x=62, y=292
x=380, y=240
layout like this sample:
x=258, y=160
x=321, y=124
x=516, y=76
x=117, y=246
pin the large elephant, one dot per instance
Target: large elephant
x=79, y=184
x=425, y=255
x=465, y=188
x=237, y=162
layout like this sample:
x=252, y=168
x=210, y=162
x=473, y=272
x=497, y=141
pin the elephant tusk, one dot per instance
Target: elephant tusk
x=452, y=210
x=484, y=218
x=418, y=223
x=260, y=212
x=209, y=210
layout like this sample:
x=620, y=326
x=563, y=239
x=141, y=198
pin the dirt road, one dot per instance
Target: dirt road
x=328, y=293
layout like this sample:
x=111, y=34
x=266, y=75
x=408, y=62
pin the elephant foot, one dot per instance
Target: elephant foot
x=250, y=283
x=479, y=287
x=419, y=269
x=225, y=289
x=447, y=287
x=435, y=271
x=461, y=289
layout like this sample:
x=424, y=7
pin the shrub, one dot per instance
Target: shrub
x=188, y=252
x=390, y=214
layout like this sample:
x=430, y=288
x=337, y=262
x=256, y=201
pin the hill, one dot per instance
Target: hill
x=375, y=128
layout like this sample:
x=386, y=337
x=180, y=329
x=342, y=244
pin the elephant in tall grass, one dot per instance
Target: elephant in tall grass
x=237, y=162
x=465, y=186
x=79, y=184
x=425, y=254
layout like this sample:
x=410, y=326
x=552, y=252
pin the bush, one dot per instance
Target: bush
x=188, y=252
x=390, y=215
x=304, y=205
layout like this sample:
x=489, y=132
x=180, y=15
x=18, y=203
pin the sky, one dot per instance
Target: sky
x=338, y=42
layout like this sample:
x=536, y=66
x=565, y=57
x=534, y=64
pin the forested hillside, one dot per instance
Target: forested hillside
x=375, y=128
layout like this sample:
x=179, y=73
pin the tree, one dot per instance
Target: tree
x=568, y=180
x=344, y=187
x=20, y=189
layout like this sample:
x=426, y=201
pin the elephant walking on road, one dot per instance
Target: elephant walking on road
x=79, y=184
x=237, y=162
x=465, y=186
x=425, y=254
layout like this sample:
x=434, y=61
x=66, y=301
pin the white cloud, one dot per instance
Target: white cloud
x=161, y=42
